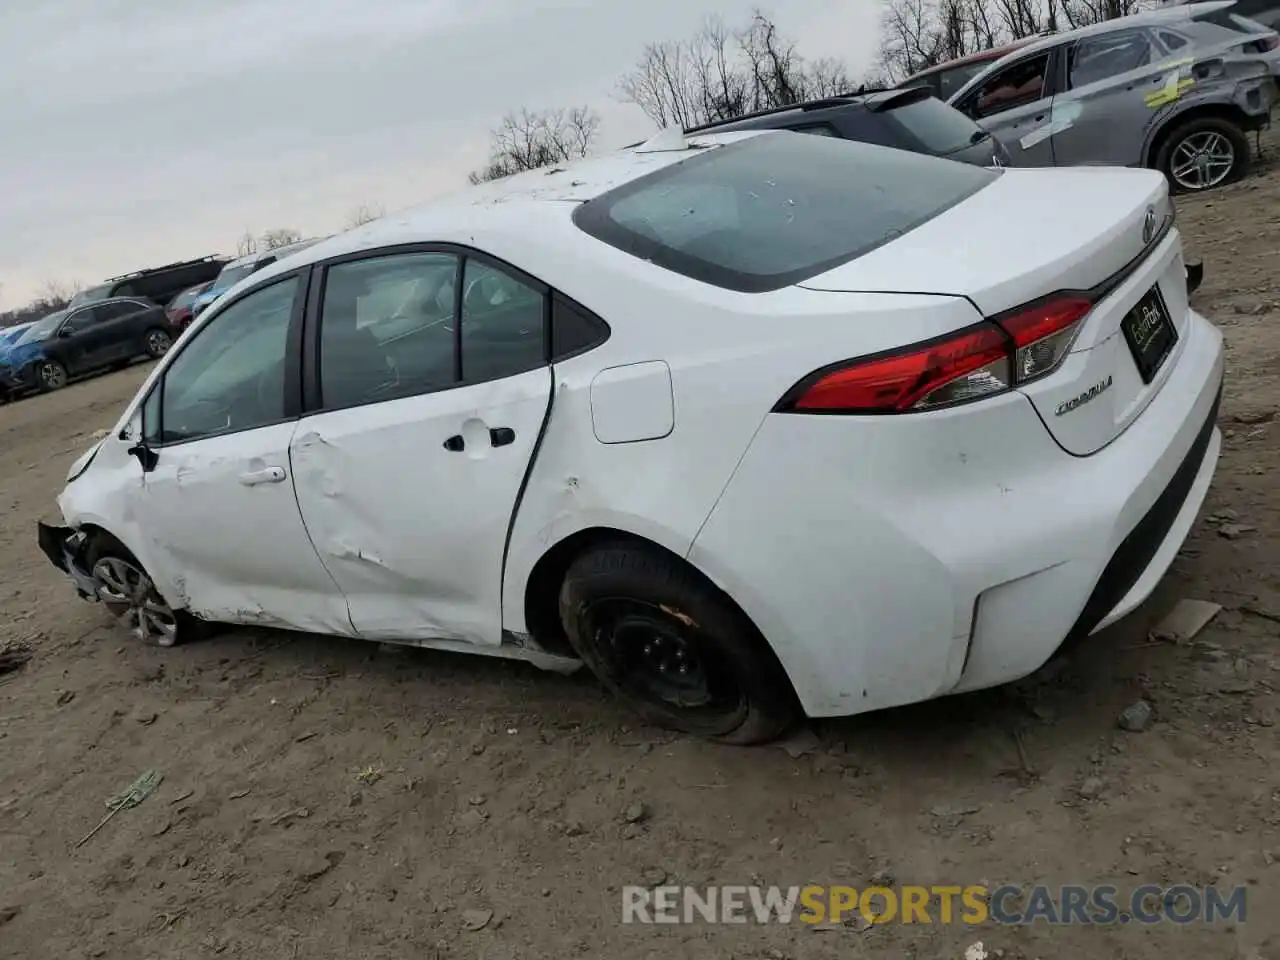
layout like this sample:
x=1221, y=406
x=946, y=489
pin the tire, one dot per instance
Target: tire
x=50, y=375
x=1221, y=137
x=127, y=592
x=656, y=633
x=156, y=342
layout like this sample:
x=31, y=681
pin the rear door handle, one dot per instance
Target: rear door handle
x=268, y=475
x=501, y=436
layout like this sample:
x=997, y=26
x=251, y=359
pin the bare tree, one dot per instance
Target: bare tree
x=280, y=237
x=365, y=213
x=718, y=74
x=247, y=244
x=918, y=34
x=1080, y=13
x=56, y=294
x=528, y=140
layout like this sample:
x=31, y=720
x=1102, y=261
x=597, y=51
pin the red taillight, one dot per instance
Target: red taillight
x=991, y=357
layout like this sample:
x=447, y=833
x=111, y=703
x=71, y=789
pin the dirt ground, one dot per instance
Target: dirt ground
x=323, y=798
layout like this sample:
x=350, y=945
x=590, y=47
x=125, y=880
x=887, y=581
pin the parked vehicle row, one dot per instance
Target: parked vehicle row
x=236, y=270
x=751, y=424
x=1176, y=89
x=157, y=284
x=80, y=340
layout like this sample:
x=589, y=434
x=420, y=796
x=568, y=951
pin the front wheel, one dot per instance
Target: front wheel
x=1203, y=153
x=50, y=375
x=129, y=594
x=669, y=643
x=157, y=343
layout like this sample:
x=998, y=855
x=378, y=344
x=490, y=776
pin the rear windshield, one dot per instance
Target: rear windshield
x=949, y=81
x=935, y=126
x=777, y=208
x=88, y=296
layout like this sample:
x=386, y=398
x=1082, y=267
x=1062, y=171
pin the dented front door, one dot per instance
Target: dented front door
x=222, y=514
x=409, y=503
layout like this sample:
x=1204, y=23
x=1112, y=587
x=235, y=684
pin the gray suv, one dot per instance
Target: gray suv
x=1177, y=89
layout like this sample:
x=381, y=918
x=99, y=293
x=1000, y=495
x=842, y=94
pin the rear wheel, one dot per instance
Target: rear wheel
x=157, y=343
x=666, y=641
x=130, y=595
x=50, y=375
x=1203, y=153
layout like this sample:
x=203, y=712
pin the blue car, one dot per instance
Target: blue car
x=8, y=337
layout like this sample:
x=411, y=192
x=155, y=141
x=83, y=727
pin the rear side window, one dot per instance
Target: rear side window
x=935, y=126
x=773, y=210
x=1100, y=58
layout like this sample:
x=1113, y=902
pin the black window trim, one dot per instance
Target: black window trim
x=309, y=344
x=592, y=218
x=292, y=393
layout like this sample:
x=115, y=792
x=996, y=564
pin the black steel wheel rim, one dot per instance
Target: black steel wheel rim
x=660, y=656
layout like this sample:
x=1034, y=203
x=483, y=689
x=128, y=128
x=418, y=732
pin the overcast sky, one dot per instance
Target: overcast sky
x=136, y=132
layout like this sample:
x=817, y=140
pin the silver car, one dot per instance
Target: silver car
x=1177, y=89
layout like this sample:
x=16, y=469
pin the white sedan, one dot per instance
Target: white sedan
x=755, y=425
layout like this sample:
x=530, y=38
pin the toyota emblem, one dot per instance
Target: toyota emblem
x=1149, y=226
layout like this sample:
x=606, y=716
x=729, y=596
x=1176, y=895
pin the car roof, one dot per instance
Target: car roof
x=1146, y=18
x=1163, y=16
x=121, y=299
x=501, y=216
x=992, y=53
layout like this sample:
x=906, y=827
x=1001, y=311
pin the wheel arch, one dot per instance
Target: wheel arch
x=1197, y=111
x=542, y=589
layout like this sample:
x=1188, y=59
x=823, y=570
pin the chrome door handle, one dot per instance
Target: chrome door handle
x=268, y=475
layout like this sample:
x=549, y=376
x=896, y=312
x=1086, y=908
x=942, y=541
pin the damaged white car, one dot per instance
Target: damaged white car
x=753, y=425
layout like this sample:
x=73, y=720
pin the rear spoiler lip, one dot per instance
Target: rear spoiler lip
x=898, y=98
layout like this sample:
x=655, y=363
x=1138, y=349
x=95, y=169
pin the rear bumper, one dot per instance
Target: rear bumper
x=890, y=560
x=65, y=549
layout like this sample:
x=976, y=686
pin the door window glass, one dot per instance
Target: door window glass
x=502, y=324
x=386, y=328
x=230, y=377
x=1172, y=40
x=113, y=311
x=1099, y=58
x=81, y=320
x=1014, y=86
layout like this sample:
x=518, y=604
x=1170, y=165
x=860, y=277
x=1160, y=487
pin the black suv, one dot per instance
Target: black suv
x=158, y=284
x=78, y=340
x=911, y=119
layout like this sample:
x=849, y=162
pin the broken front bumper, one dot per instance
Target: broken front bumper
x=65, y=549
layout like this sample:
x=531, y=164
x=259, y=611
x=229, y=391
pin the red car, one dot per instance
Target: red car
x=179, y=309
x=946, y=78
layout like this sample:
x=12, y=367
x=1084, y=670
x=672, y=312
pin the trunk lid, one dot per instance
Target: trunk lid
x=1033, y=233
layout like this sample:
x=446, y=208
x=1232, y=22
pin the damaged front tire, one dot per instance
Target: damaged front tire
x=128, y=592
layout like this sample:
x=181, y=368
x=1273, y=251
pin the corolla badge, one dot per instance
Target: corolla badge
x=1102, y=386
x=1149, y=224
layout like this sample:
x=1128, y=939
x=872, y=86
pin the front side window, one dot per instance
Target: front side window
x=1014, y=86
x=1100, y=58
x=82, y=319
x=775, y=209
x=231, y=376
x=386, y=328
